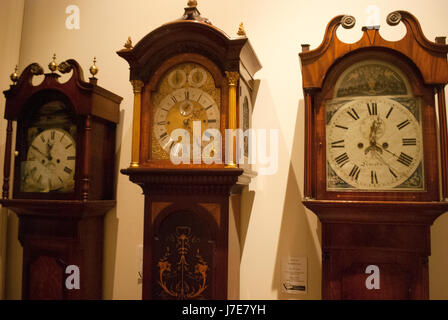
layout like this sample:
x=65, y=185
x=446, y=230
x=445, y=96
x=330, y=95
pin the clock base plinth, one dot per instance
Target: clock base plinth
x=56, y=234
x=394, y=236
x=191, y=247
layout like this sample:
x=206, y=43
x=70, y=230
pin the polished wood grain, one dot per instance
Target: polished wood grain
x=443, y=140
x=7, y=161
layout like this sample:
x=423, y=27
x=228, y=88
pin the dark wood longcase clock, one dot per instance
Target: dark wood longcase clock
x=374, y=174
x=188, y=75
x=63, y=180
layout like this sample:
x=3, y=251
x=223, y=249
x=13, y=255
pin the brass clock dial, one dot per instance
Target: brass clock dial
x=187, y=93
x=374, y=144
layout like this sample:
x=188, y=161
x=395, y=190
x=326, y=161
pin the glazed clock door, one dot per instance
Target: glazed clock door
x=47, y=152
x=374, y=132
x=186, y=98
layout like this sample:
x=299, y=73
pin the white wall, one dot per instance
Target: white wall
x=11, y=14
x=275, y=224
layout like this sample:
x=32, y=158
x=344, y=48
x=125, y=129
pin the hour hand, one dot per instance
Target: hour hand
x=37, y=149
x=373, y=147
x=49, y=147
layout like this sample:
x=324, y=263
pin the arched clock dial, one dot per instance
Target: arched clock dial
x=50, y=163
x=375, y=144
x=186, y=94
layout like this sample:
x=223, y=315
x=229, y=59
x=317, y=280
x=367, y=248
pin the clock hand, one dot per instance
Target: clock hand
x=391, y=153
x=35, y=148
x=374, y=147
x=49, y=147
x=384, y=161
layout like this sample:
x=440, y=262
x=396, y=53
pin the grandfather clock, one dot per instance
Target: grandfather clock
x=374, y=174
x=191, y=83
x=63, y=181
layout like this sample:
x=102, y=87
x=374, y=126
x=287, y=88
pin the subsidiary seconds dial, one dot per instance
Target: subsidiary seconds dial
x=374, y=144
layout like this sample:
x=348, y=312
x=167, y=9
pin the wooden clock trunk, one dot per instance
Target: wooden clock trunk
x=189, y=222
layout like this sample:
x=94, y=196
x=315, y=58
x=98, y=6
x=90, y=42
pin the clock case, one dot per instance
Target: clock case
x=202, y=198
x=57, y=230
x=390, y=229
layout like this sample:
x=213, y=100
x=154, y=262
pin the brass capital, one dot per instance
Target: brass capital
x=232, y=78
x=137, y=85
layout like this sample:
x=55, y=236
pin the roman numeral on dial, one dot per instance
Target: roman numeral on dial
x=403, y=124
x=393, y=173
x=373, y=177
x=352, y=113
x=373, y=109
x=405, y=159
x=342, y=159
x=355, y=172
x=390, y=111
x=338, y=144
x=409, y=141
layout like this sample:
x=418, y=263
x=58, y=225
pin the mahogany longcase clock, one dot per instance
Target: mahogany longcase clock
x=189, y=77
x=374, y=174
x=63, y=181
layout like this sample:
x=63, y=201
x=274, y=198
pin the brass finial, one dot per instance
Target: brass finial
x=14, y=76
x=94, y=69
x=128, y=44
x=192, y=3
x=241, y=31
x=53, y=66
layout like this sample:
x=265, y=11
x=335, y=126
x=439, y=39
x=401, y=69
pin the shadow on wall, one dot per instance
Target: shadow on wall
x=111, y=224
x=247, y=202
x=298, y=238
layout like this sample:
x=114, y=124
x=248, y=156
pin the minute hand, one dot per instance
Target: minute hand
x=391, y=153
